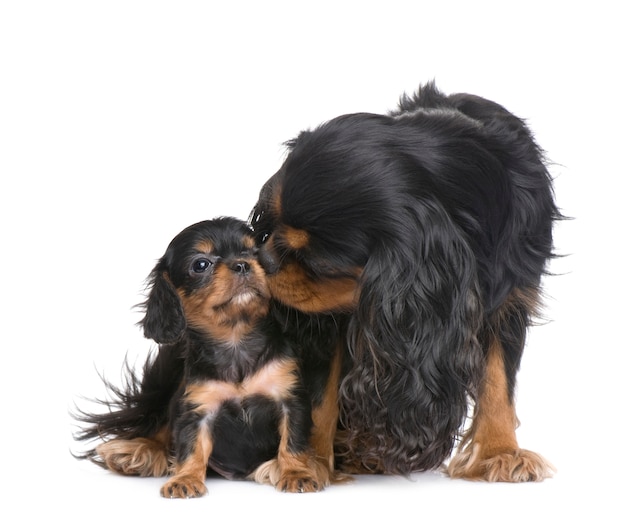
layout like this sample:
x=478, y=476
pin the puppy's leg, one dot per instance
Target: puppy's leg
x=296, y=468
x=190, y=466
x=305, y=458
x=313, y=469
x=490, y=450
x=144, y=457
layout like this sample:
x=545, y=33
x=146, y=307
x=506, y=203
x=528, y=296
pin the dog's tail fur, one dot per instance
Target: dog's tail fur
x=139, y=407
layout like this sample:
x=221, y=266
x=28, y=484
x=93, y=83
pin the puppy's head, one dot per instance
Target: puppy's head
x=209, y=280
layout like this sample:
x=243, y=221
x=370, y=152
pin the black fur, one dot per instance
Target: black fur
x=442, y=211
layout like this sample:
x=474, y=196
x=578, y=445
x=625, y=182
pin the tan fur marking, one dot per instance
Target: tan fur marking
x=144, y=457
x=293, y=286
x=295, y=238
x=528, y=299
x=210, y=395
x=496, y=421
x=275, y=380
x=325, y=417
x=248, y=242
x=205, y=246
x=490, y=450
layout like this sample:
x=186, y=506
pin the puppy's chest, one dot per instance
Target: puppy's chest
x=275, y=381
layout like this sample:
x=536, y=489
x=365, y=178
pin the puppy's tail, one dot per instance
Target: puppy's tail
x=138, y=408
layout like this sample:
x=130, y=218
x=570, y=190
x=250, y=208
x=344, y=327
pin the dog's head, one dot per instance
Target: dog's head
x=352, y=221
x=319, y=218
x=209, y=280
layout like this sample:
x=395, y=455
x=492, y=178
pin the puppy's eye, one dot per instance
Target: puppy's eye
x=201, y=265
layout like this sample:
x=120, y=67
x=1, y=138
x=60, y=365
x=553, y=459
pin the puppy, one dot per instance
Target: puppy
x=225, y=388
x=427, y=230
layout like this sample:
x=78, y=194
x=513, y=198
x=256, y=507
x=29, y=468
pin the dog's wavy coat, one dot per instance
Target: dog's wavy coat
x=428, y=229
x=225, y=389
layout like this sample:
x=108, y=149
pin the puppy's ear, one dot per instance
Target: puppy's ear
x=164, y=321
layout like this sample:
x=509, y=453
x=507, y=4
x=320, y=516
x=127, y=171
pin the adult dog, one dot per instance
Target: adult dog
x=424, y=234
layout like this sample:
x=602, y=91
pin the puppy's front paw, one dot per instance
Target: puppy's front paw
x=302, y=474
x=299, y=482
x=183, y=487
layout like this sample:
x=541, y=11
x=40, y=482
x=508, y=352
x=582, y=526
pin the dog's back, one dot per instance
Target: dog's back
x=492, y=175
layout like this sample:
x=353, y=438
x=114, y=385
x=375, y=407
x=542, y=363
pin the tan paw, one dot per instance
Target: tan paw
x=299, y=482
x=183, y=487
x=515, y=465
x=140, y=457
x=306, y=475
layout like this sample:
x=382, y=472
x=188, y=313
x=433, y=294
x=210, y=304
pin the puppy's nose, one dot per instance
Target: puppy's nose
x=241, y=267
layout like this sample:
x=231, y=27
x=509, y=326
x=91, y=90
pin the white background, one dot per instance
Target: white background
x=122, y=122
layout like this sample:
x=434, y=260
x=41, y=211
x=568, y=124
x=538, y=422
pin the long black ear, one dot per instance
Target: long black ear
x=413, y=345
x=164, y=321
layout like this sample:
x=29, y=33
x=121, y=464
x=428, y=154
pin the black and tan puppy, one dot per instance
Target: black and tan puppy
x=428, y=230
x=224, y=389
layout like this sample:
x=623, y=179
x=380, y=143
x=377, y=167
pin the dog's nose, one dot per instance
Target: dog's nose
x=241, y=267
x=268, y=261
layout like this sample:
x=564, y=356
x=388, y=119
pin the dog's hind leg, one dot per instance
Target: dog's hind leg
x=144, y=457
x=489, y=450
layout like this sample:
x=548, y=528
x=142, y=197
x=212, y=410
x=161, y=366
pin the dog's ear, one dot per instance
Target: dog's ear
x=164, y=320
x=413, y=343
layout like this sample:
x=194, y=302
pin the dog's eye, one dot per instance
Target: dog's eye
x=201, y=265
x=255, y=217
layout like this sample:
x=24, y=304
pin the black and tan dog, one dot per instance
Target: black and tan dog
x=225, y=389
x=428, y=230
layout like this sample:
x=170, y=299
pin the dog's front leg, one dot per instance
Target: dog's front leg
x=193, y=449
x=297, y=469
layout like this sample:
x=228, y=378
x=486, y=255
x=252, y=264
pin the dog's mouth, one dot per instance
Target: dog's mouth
x=245, y=296
x=243, y=293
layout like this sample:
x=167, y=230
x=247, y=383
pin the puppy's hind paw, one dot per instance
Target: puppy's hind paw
x=143, y=457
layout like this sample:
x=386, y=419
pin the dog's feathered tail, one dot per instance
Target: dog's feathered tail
x=139, y=407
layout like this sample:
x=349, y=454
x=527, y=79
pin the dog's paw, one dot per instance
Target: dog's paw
x=515, y=465
x=302, y=474
x=183, y=487
x=299, y=482
x=142, y=457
